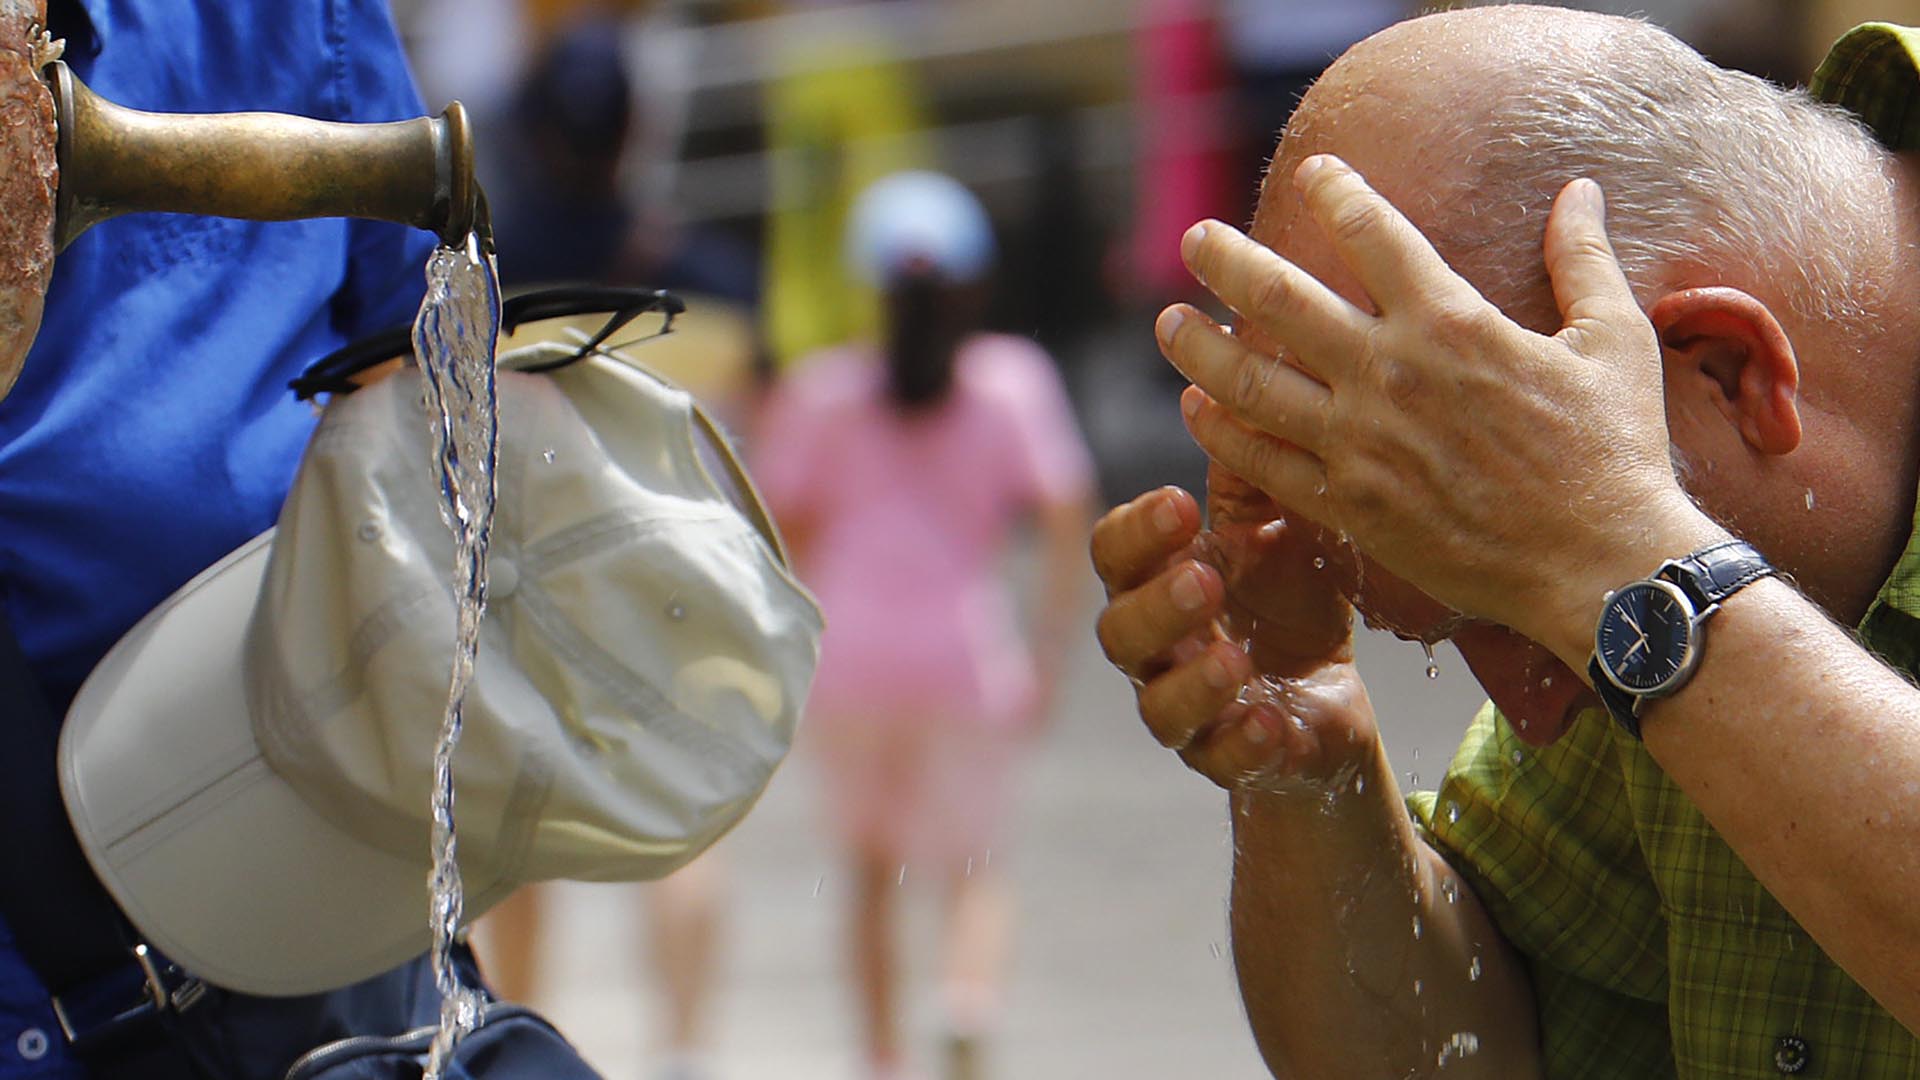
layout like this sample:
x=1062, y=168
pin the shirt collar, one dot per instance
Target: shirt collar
x=1873, y=71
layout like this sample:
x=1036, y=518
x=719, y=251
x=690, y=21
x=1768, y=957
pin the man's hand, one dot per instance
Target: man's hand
x=1238, y=640
x=1494, y=468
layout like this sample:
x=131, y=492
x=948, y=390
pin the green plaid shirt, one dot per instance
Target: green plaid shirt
x=1653, y=952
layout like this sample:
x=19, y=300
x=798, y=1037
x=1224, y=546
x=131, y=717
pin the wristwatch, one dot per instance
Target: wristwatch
x=1651, y=632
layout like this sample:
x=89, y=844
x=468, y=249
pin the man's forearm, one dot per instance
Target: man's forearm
x=1359, y=952
x=1803, y=751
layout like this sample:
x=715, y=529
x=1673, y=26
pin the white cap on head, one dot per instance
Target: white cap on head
x=249, y=769
x=918, y=220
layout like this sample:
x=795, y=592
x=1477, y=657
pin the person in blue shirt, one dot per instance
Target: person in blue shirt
x=151, y=431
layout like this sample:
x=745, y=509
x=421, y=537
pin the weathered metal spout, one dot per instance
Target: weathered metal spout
x=259, y=166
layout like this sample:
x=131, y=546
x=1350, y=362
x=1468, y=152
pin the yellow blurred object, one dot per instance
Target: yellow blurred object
x=846, y=113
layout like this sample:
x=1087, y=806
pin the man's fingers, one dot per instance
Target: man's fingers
x=1393, y=261
x=1133, y=541
x=1289, y=475
x=1265, y=391
x=1592, y=291
x=1181, y=703
x=1315, y=323
x=1249, y=745
x=1140, y=628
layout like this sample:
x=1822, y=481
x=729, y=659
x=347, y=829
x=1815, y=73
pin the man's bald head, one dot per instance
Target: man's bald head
x=1471, y=120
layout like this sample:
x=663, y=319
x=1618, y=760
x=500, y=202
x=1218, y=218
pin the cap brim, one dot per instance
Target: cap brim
x=214, y=857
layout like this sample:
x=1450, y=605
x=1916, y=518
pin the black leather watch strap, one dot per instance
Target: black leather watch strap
x=1621, y=705
x=1712, y=574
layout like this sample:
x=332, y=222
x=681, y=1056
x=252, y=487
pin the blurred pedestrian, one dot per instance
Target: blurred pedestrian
x=560, y=175
x=898, y=469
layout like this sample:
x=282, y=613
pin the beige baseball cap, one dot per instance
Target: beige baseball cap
x=249, y=769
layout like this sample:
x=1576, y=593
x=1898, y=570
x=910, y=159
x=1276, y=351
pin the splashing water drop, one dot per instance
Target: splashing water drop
x=1433, y=665
x=1214, y=947
x=1413, y=778
x=547, y=455
x=1461, y=1044
x=817, y=882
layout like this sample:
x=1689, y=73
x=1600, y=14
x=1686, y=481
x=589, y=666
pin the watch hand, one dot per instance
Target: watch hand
x=1637, y=646
x=1628, y=615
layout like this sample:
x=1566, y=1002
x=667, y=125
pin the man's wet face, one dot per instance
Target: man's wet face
x=1537, y=693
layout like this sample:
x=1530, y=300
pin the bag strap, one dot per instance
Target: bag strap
x=107, y=986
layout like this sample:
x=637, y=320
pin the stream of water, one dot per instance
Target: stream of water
x=454, y=338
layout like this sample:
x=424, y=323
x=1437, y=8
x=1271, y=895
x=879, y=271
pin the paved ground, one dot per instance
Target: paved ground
x=1119, y=858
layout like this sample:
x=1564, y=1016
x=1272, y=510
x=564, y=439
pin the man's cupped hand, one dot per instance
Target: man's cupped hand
x=1237, y=638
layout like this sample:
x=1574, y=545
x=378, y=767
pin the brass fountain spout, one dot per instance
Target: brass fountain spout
x=259, y=166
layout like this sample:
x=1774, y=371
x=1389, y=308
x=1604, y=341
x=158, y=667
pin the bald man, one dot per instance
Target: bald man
x=1562, y=905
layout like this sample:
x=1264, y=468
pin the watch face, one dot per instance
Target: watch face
x=1645, y=639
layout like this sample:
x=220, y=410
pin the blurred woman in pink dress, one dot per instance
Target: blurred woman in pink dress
x=900, y=470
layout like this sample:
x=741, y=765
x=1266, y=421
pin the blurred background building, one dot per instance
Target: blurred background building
x=713, y=147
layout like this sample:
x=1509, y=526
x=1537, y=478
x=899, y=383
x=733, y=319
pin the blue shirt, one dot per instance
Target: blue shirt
x=151, y=431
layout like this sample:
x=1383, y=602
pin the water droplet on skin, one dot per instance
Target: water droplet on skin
x=1418, y=986
x=1359, y=784
x=1518, y=757
x=1416, y=928
x=1546, y=683
x=1460, y=1044
x=1809, y=498
x=969, y=866
x=1319, y=563
x=1450, y=890
x=902, y=879
x=1473, y=970
x=1433, y=666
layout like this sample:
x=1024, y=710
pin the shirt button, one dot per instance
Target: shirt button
x=32, y=1044
x=1791, y=1054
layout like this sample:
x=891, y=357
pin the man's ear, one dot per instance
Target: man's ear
x=1729, y=347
